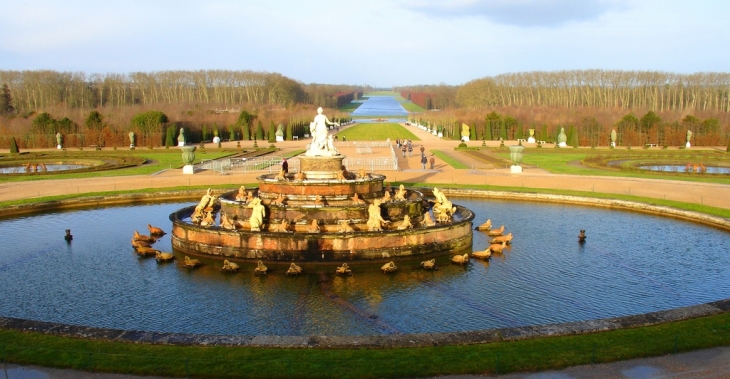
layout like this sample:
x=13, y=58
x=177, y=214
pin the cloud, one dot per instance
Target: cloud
x=522, y=13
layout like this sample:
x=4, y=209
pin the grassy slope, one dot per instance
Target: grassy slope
x=376, y=132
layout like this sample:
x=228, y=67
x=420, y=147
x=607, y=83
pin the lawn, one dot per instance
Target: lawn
x=155, y=160
x=568, y=161
x=449, y=160
x=376, y=132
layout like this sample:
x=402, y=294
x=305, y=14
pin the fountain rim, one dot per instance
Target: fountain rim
x=385, y=341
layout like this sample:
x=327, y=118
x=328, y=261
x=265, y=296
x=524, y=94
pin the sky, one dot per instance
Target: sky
x=380, y=43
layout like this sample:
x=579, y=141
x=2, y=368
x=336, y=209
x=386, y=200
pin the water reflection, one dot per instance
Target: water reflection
x=631, y=263
x=380, y=106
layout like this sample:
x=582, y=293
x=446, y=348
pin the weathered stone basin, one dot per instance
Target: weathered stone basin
x=326, y=202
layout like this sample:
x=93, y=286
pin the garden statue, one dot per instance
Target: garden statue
x=689, y=137
x=181, y=138
x=257, y=214
x=464, y=133
x=562, y=138
x=320, y=145
x=131, y=140
x=613, y=138
x=280, y=133
x=443, y=209
x=531, y=139
x=59, y=141
x=375, y=220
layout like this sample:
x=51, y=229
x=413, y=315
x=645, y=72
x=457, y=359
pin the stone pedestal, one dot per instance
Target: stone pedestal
x=279, y=139
x=181, y=144
x=465, y=139
x=441, y=135
x=189, y=169
x=59, y=147
x=562, y=144
x=515, y=169
x=321, y=167
x=688, y=145
x=531, y=140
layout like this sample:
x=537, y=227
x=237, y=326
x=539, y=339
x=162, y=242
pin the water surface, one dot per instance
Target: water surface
x=631, y=263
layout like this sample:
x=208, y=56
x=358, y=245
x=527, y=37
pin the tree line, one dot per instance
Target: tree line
x=33, y=91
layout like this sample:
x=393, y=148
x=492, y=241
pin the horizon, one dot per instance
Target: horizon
x=382, y=44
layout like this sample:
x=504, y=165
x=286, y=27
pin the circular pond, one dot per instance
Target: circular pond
x=50, y=167
x=680, y=168
x=631, y=263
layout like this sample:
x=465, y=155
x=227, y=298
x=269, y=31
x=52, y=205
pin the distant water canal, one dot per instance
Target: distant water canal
x=381, y=106
x=631, y=263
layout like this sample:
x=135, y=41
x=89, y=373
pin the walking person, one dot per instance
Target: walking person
x=424, y=160
x=404, y=149
x=410, y=150
x=423, y=150
x=432, y=161
x=285, y=166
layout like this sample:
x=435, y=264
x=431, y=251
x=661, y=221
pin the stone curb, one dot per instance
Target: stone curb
x=382, y=341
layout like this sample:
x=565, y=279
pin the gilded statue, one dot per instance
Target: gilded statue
x=406, y=224
x=443, y=209
x=241, y=195
x=256, y=221
x=400, y=194
x=375, y=220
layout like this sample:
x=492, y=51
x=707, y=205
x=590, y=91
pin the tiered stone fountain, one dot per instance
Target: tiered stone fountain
x=323, y=214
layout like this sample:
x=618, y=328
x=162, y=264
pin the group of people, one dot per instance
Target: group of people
x=406, y=146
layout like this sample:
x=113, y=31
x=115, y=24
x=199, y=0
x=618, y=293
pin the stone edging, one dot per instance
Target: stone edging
x=394, y=340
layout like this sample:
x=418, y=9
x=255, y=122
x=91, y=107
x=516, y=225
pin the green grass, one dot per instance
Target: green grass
x=156, y=160
x=449, y=160
x=411, y=107
x=559, y=161
x=493, y=358
x=377, y=132
x=349, y=107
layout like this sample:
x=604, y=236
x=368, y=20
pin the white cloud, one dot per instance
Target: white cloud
x=525, y=13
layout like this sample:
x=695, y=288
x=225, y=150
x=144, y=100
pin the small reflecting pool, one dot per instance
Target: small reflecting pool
x=631, y=263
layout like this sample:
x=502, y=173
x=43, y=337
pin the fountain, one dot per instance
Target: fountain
x=322, y=215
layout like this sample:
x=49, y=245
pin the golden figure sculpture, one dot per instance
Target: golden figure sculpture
x=429, y=265
x=498, y=248
x=142, y=237
x=192, y=263
x=229, y=266
x=357, y=200
x=345, y=227
x=256, y=221
x=388, y=267
x=314, y=227
x=406, y=224
x=294, y=269
x=496, y=232
x=485, y=226
x=460, y=259
x=507, y=239
x=427, y=220
x=146, y=251
x=400, y=194
x=486, y=254
x=155, y=231
x=443, y=209
x=260, y=269
x=241, y=195
x=279, y=200
x=164, y=257
x=343, y=270
x=375, y=220
x=284, y=226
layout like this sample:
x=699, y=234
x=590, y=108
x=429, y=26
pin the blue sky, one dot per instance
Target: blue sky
x=374, y=42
